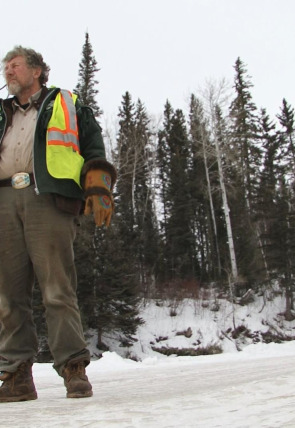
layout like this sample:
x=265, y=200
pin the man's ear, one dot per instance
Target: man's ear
x=37, y=72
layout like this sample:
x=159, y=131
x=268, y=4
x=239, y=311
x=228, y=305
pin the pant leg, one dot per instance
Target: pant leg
x=18, y=340
x=49, y=236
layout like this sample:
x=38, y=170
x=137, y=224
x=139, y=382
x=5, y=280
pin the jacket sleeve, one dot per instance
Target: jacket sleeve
x=90, y=135
x=92, y=145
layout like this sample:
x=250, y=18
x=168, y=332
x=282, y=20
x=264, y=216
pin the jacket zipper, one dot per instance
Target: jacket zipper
x=5, y=116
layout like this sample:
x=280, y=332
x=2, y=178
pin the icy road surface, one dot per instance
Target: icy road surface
x=253, y=388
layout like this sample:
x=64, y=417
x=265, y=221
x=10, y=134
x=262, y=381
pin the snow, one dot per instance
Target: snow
x=208, y=326
x=253, y=387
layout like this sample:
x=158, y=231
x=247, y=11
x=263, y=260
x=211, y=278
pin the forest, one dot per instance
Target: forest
x=202, y=200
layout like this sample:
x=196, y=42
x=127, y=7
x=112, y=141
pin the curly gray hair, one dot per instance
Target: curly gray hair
x=33, y=60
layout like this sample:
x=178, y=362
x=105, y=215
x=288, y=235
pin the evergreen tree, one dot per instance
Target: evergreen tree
x=126, y=252
x=245, y=168
x=163, y=169
x=266, y=203
x=287, y=139
x=200, y=183
x=84, y=244
x=284, y=236
x=117, y=287
x=286, y=205
x=244, y=121
x=86, y=86
x=125, y=161
x=163, y=164
x=145, y=217
x=179, y=239
x=134, y=196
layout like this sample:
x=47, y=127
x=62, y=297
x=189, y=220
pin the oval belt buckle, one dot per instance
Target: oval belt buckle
x=20, y=180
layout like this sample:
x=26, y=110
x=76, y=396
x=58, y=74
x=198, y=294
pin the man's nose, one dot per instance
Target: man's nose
x=8, y=70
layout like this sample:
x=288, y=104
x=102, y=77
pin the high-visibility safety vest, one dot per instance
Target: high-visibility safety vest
x=63, y=156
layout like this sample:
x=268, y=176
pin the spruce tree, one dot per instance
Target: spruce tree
x=146, y=240
x=266, y=204
x=117, y=287
x=179, y=241
x=163, y=162
x=125, y=158
x=84, y=244
x=245, y=167
x=200, y=161
x=134, y=194
x=86, y=87
x=287, y=138
x=286, y=207
x=163, y=172
x=244, y=122
x=284, y=235
x=124, y=252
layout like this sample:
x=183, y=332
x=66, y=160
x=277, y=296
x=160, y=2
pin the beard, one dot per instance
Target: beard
x=14, y=88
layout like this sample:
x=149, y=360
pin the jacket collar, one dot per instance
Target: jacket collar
x=9, y=108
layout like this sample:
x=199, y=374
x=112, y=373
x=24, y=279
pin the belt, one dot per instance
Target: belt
x=18, y=181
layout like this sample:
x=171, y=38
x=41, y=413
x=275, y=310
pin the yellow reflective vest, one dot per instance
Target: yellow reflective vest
x=63, y=156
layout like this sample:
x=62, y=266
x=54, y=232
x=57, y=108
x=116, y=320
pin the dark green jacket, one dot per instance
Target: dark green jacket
x=90, y=138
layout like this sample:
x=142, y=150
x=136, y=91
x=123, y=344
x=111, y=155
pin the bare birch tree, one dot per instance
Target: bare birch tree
x=216, y=96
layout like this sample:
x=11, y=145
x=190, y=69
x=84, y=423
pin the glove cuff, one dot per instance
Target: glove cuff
x=102, y=164
x=96, y=190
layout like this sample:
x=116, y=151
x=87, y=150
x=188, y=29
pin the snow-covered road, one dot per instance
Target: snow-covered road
x=254, y=388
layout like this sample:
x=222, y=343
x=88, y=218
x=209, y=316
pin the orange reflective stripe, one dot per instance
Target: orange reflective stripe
x=63, y=138
x=69, y=111
x=68, y=135
x=63, y=157
x=66, y=112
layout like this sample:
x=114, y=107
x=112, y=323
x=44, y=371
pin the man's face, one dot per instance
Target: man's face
x=19, y=77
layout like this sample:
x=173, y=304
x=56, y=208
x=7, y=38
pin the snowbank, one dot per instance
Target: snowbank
x=200, y=327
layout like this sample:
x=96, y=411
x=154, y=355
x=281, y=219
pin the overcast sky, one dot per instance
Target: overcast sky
x=160, y=49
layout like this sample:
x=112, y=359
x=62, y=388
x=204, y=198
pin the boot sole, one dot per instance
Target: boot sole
x=83, y=394
x=26, y=397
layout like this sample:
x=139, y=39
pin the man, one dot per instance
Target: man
x=52, y=157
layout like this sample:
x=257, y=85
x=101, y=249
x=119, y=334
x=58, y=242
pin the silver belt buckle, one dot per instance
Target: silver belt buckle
x=20, y=180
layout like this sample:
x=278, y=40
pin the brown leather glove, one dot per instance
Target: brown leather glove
x=99, y=200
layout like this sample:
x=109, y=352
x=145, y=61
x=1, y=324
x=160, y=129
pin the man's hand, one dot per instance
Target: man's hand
x=99, y=200
x=101, y=207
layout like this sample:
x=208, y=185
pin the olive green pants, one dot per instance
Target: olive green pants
x=36, y=239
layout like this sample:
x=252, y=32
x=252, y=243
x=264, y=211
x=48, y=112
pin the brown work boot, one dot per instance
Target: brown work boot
x=76, y=381
x=18, y=386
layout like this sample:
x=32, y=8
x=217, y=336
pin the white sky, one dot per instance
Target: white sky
x=160, y=49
